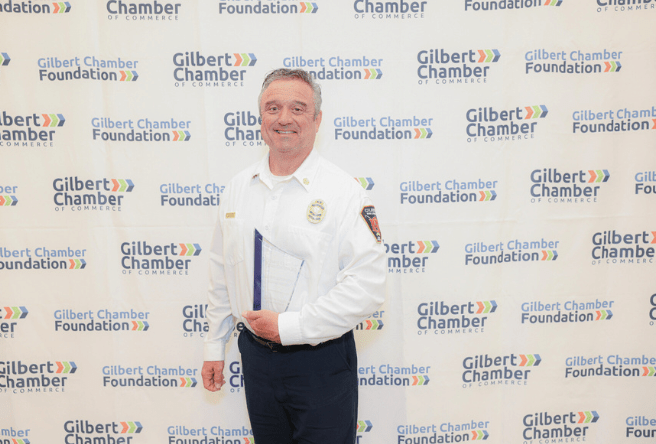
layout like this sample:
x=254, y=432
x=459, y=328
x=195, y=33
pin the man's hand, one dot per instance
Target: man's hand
x=264, y=324
x=212, y=373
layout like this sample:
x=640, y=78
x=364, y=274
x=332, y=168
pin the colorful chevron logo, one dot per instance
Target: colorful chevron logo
x=140, y=325
x=529, y=360
x=649, y=371
x=487, y=196
x=486, y=307
x=549, y=255
x=653, y=241
x=654, y=127
x=128, y=76
x=20, y=441
x=423, y=133
x=61, y=7
x=15, y=312
x=308, y=8
x=598, y=176
x=536, y=112
x=188, y=382
x=77, y=264
x=604, y=315
x=66, y=367
x=122, y=185
x=553, y=2
x=372, y=324
x=181, y=136
x=244, y=59
x=420, y=380
x=588, y=417
x=249, y=441
x=131, y=427
x=190, y=250
x=363, y=426
x=8, y=201
x=53, y=120
x=613, y=66
x=366, y=182
x=4, y=59
x=488, y=55
x=428, y=247
x=479, y=435
x=373, y=74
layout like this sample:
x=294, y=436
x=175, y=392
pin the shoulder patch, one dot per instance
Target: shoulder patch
x=368, y=213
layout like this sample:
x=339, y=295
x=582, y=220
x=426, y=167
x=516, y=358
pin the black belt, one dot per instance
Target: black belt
x=276, y=347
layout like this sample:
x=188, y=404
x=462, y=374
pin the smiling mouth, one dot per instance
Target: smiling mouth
x=285, y=132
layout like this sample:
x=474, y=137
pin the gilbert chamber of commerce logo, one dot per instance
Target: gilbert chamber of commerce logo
x=9, y=318
x=410, y=257
x=194, y=323
x=27, y=130
x=75, y=194
x=337, y=67
x=490, y=125
x=42, y=258
x=646, y=425
x=443, y=67
x=619, y=247
x=23, y=7
x=259, y=7
x=146, y=259
x=541, y=61
x=416, y=192
x=590, y=121
x=389, y=10
x=118, y=376
x=515, y=250
x=232, y=434
x=243, y=128
x=440, y=318
x=70, y=320
x=554, y=186
x=140, y=130
x=485, y=370
x=387, y=375
x=349, y=128
x=652, y=310
x=8, y=196
x=83, y=431
x=564, y=427
x=613, y=365
x=443, y=433
x=56, y=69
x=144, y=11
x=507, y=5
x=638, y=6
x=642, y=179
x=174, y=194
x=198, y=70
x=573, y=311
x=19, y=377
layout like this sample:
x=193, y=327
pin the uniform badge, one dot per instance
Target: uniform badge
x=316, y=211
x=369, y=215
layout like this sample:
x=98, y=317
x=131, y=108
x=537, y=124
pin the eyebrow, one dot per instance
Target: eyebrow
x=296, y=102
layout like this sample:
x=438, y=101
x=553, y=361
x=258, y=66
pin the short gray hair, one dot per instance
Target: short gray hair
x=285, y=73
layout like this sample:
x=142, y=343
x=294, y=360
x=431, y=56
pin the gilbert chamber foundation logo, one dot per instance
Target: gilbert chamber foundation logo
x=640, y=426
x=140, y=130
x=9, y=318
x=638, y=6
x=198, y=70
x=643, y=179
x=588, y=122
x=42, y=258
x=374, y=323
x=19, y=377
x=27, y=130
x=338, y=67
x=75, y=194
x=539, y=312
x=490, y=125
x=18, y=436
x=440, y=318
x=515, y=250
x=70, y=320
x=349, y=128
x=119, y=376
x=389, y=10
x=563, y=427
x=410, y=257
x=455, y=191
x=442, y=67
x=56, y=69
x=445, y=432
x=230, y=434
x=507, y=370
x=83, y=431
x=391, y=376
x=178, y=195
x=541, y=61
x=273, y=7
x=554, y=186
x=615, y=247
x=146, y=259
x=144, y=11
x=27, y=7
x=612, y=365
x=507, y=5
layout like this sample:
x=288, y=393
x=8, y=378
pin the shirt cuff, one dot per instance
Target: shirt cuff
x=214, y=351
x=289, y=328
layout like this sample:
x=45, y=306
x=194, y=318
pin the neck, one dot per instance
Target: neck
x=284, y=164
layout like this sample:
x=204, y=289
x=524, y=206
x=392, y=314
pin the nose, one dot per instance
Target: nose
x=285, y=116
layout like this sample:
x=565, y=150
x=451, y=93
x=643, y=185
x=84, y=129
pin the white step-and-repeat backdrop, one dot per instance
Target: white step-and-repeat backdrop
x=508, y=146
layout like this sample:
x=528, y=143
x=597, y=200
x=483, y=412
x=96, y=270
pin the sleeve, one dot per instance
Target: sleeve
x=218, y=313
x=360, y=282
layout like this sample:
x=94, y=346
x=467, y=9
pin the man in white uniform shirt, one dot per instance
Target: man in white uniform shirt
x=297, y=256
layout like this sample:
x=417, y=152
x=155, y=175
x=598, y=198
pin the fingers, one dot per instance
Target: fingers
x=213, y=378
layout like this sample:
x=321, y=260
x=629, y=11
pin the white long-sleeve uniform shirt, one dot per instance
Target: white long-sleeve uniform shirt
x=342, y=281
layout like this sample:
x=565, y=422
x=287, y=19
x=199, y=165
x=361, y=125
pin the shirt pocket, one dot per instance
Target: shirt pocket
x=233, y=240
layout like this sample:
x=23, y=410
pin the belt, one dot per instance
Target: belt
x=273, y=346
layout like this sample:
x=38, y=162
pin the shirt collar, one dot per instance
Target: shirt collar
x=304, y=175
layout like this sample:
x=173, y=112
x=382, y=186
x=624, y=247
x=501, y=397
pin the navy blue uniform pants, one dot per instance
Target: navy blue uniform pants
x=301, y=394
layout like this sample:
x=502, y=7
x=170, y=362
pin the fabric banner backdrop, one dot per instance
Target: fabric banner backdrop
x=509, y=148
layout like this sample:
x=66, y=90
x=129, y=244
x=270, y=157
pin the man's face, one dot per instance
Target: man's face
x=288, y=123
